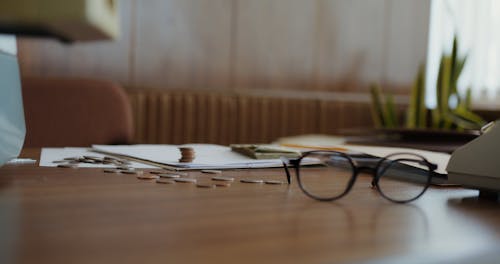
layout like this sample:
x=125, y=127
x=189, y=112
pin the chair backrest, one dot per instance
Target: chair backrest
x=75, y=112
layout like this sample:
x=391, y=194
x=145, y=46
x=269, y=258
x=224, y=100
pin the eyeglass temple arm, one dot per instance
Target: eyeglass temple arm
x=285, y=162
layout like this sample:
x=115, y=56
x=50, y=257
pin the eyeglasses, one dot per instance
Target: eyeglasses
x=399, y=177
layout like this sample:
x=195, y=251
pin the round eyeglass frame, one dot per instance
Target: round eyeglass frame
x=356, y=169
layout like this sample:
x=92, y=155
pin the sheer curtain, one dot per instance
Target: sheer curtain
x=476, y=23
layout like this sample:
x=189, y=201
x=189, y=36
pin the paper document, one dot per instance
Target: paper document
x=207, y=156
x=49, y=155
x=439, y=158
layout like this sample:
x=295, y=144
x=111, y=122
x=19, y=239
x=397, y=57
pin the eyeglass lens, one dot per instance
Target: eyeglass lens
x=403, y=177
x=328, y=181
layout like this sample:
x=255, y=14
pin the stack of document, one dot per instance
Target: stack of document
x=208, y=156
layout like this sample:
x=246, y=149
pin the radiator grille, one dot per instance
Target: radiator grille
x=174, y=117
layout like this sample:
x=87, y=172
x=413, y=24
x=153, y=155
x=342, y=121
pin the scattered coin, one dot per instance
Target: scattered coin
x=59, y=161
x=131, y=172
x=221, y=178
x=185, y=180
x=147, y=177
x=251, y=181
x=68, y=166
x=164, y=181
x=111, y=171
x=273, y=182
x=212, y=171
x=169, y=175
x=222, y=184
x=205, y=185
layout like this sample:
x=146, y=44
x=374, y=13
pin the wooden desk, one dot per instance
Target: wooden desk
x=55, y=215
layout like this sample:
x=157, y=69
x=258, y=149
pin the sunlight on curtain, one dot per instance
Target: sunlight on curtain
x=476, y=24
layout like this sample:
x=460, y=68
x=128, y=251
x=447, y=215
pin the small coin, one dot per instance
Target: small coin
x=221, y=178
x=59, y=161
x=212, y=171
x=205, y=185
x=273, y=182
x=131, y=172
x=157, y=172
x=147, y=177
x=222, y=184
x=164, y=181
x=187, y=180
x=93, y=158
x=68, y=166
x=251, y=181
x=111, y=171
x=91, y=161
x=169, y=175
x=186, y=149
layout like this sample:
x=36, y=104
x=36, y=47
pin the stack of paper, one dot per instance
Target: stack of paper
x=207, y=156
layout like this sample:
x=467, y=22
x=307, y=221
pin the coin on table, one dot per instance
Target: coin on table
x=222, y=184
x=131, y=172
x=273, y=182
x=222, y=178
x=205, y=185
x=147, y=177
x=68, y=166
x=165, y=181
x=111, y=171
x=212, y=171
x=72, y=158
x=169, y=175
x=187, y=180
x=251, y=181
x=157, y=171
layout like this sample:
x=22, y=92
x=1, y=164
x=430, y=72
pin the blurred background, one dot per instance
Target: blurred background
x=232, y=71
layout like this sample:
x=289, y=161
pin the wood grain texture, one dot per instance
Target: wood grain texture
x=351, y=42
x=182, y=44
x=275, y=44
x=235, y=44
x=101, y=59
x=52, y=215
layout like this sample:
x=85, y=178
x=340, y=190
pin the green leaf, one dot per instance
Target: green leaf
x=390, y=116
x=376, y=108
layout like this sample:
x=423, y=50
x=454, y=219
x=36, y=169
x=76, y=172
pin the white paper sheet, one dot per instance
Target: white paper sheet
x=207, y=156
x=49, y=155
x=440, y=159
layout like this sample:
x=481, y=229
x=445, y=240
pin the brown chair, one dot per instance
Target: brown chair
x=75, y=112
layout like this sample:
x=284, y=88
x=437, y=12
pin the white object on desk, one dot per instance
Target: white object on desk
x=476, y=164
x=208, y=156
x=49, y=155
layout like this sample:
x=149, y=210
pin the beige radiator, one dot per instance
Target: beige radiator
x=177, y=117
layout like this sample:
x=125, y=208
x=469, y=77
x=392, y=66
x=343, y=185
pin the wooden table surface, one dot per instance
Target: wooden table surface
x=57, y=215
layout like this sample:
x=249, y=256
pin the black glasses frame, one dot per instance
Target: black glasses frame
x=376, y=171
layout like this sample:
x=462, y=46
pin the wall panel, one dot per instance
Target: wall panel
x=239, y=44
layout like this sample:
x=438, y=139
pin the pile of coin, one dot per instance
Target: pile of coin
x=187, y=154
x=120, y=165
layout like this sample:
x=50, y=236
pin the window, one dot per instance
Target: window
x=476, y=24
